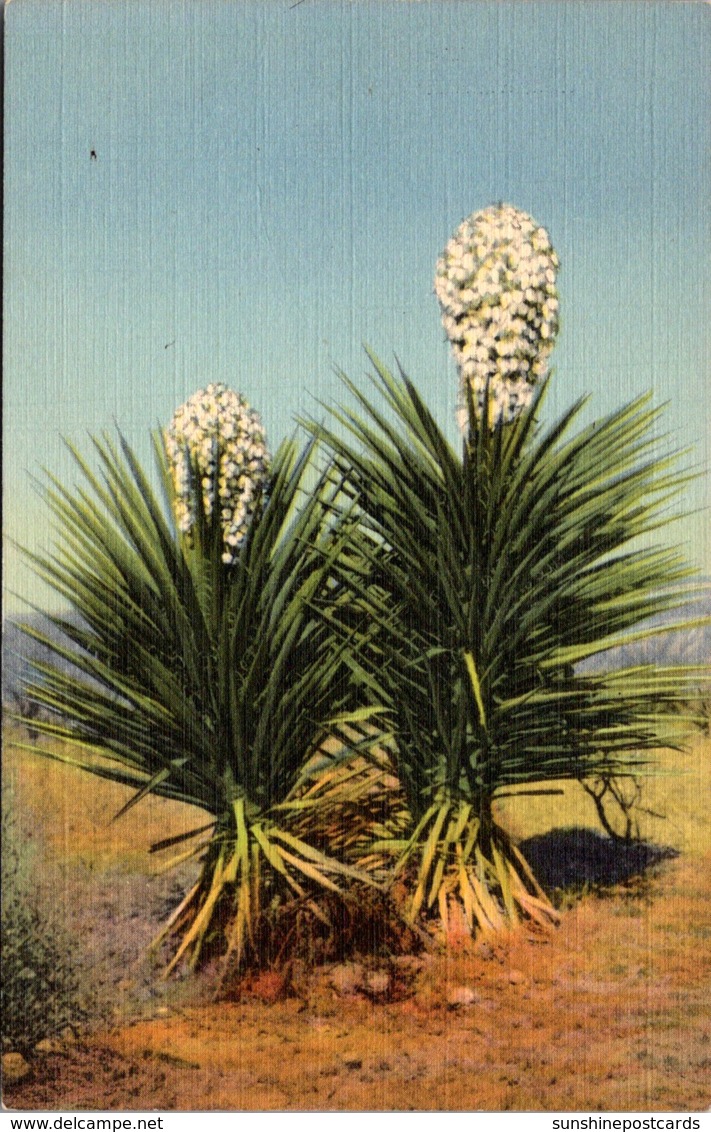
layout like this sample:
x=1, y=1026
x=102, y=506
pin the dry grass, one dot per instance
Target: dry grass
x=75, y=811
x=675, y=792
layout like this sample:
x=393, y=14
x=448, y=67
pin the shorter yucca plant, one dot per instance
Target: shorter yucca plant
x=492, y=573
x=197, y=668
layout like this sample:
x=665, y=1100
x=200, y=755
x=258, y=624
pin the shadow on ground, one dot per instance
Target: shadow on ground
x=567, y=858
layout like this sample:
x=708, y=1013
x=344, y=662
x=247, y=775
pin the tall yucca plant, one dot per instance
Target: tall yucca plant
x=491, y=575
x=206, y=677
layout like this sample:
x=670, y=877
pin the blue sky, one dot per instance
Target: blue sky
x=273, y=184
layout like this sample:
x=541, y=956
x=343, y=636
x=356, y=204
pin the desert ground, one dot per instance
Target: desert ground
x=611, y=1011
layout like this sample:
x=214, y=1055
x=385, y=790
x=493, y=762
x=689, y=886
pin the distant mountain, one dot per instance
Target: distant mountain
x=19, y=650
x=684, y=646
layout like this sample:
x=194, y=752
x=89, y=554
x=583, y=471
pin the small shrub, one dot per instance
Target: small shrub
x=42, y=990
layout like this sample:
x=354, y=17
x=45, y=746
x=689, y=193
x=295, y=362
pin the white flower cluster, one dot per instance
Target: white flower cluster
x=495, y=282
x=218, y=432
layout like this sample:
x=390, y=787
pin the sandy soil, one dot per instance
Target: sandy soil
x=610, y=1012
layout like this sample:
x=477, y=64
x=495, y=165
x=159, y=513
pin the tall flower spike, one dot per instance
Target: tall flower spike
x=216, y=431
x=495, y=282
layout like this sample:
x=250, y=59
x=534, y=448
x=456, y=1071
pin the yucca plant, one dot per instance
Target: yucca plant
x=492, y=574
x=197, y=669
